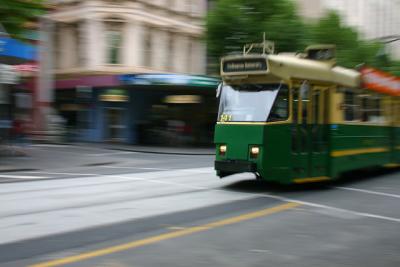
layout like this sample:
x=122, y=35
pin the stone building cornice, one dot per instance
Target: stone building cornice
x=104, y=70
x=130, y=11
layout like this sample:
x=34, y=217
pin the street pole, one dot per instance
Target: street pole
x=45, y=82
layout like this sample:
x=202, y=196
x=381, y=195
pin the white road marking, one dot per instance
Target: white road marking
x=151, y=177
x=136, y=168
x=367, y=191
x=260, y=250
x=285, y=199
x=49, y=145
x=112, y=153
x=62, y=173
x=161, y=182
x=22, y=176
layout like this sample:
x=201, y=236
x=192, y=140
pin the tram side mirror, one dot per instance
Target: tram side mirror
x=219, y=88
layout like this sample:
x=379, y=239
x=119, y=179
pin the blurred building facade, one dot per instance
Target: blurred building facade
x=17, y=61
x=372, y=18
x=112, y=66
x=117, y=36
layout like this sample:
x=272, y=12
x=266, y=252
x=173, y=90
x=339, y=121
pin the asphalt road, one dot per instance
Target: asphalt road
x=138, y=209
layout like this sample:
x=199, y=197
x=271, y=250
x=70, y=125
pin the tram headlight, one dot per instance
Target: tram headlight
x=254, y=151
x=222, y=150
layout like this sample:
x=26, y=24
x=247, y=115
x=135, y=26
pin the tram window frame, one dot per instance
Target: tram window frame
x=351, y=106
x=234, y=90
x=371, y=108
x=281, y=103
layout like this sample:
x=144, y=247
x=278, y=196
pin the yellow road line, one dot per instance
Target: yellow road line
x=166, y=236
x=350, y=152
x=311, y=179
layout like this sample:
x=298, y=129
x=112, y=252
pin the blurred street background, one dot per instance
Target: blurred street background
x=145, y=72
x=107, y=114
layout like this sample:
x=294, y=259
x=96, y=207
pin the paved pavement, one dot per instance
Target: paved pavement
x=50, y=156
x=145, y=209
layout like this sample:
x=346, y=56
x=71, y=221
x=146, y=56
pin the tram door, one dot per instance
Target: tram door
x=319, y=132
x=309, y=132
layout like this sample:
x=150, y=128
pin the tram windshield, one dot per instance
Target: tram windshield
x=253, y=103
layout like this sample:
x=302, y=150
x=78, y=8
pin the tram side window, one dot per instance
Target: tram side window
x=280, y=109
x=351, y=106
x=371, y=109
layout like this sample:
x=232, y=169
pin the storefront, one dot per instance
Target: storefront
x=141, y=109
x=8, y=80
x=15, y=98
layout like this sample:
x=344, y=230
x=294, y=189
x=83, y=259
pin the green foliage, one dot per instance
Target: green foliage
x=232, y=23
x=351, y=51
x=14, y=13
x=395, y=68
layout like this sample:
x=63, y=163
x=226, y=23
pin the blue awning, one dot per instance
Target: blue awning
x=169, y=79
x=16, y=50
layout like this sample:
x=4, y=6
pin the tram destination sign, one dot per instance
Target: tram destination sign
x=244, y=65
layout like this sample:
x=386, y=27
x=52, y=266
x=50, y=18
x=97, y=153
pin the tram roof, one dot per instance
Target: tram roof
x=292, y=67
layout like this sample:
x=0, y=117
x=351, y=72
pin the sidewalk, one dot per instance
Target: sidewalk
x=55, y=156
x=10, y=158
x=10, y=150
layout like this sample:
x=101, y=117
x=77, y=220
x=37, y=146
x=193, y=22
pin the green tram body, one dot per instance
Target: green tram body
x=316, y=142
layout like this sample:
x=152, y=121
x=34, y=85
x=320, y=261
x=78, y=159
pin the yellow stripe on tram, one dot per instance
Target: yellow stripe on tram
x=391, y=165
x=351, y=152
x=311, y=179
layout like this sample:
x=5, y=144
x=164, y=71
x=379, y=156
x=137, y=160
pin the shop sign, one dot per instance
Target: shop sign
x=169, y=79
x=31, y=67
x=8, y=75
x=114, y=95
x=183, y=99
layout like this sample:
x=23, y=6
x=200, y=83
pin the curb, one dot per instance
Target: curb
x=161, y=152
x=17, y=170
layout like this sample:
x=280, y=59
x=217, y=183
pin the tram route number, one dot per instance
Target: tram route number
x=225, y=117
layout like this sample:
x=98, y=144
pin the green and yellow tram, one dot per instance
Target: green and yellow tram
x=298, y=118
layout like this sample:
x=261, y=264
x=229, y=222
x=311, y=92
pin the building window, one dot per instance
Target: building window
x=170, y=51
x=80, y=36
x=113, y=44
x=190, y=56
x=148, y=47
x=113, y=39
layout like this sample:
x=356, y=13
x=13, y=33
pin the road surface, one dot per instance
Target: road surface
x=140, y=209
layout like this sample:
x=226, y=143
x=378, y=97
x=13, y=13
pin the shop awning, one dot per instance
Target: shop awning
x=16, y=52
x=169, y=79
